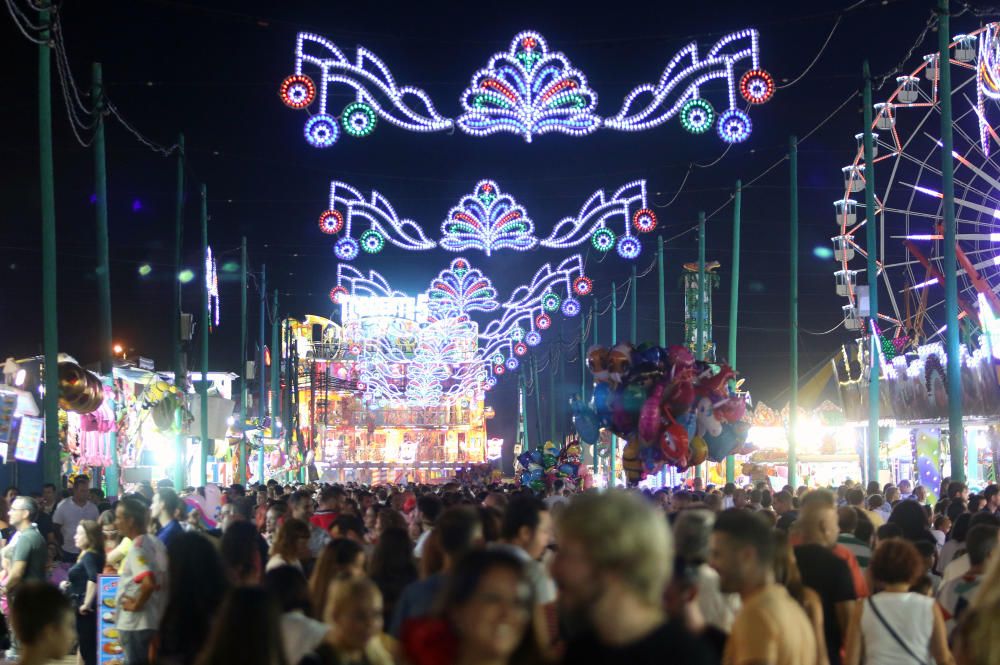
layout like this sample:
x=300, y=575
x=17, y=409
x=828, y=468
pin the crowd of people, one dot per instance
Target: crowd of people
x=324, y=574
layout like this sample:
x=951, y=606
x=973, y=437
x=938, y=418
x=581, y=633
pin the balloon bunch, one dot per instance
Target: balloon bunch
x=541, y=466
x=80, y=390
x=669, y=408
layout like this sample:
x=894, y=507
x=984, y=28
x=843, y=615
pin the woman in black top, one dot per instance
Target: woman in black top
x=82, y=586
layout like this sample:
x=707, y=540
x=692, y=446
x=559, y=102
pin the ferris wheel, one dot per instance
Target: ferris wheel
x=909, y=201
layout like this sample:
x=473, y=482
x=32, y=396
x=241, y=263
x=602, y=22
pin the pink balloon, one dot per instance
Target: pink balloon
x=650, y=423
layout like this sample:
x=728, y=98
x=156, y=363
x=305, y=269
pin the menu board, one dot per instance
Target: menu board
x=8, y=405
x=29, y=438
x=109, y=650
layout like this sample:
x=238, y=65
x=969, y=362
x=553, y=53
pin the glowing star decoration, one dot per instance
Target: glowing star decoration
x=359, y=119
x=644, y=220
x=603, y=239
x=697, y=115
x=372, y=241
x=321, y=131
x=461, y=289
x=331, y=222
x=297, y=91
x=346, y=249
x=529, y=91
x=570, y=307
x=629, y=247
x=583, y=286
x=757, y=86
x=734, y=126
x=212, y=286
x=488, y=221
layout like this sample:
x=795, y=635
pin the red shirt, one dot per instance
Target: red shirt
x=323, y=519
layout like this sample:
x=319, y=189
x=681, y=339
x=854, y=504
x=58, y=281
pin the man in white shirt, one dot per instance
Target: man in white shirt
x=69, y=513
x=429, y=508
x=142, y=584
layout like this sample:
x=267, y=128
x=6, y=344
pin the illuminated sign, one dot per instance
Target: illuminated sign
x=399, y=307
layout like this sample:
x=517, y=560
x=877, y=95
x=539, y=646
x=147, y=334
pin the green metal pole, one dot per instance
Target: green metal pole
x=552, y=398
x=259, y=374
x=870, y=240
x=538, y=399
x=614, y=340
x=583, y=354
x=662, y=292
x=180, y=371
x=206, y=321
x=633, y=307
x=793, y=341
x=275, y=369
x=594, y=317
x=662, y=330
x=241, y=472
x=522, y=386
x=51, y=465
x=734, y=302
x=700, y=332
x=956, y=433
x=103, y=265
x=288, y=421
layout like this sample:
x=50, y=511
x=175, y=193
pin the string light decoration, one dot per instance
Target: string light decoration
x=527, y=90
x=321, y=131
x=583, y=286
x=987, y=79
x=512, y=363
x=603, y=239
x=372, y=241
x=644, y=220
x=734, y=126
x=359, y=119
x=499, y=370
x=683, y=78
x=697, y=115
x=571, y=307
x=460, y=289
x=629, y=247
x=489, y=221
x=346, y=249
x=331, y=222
x=520, y=349
x=757, y=86
x=297, y=91
x=212, y=286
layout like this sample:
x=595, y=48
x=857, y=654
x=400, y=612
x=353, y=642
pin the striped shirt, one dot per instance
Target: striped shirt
x=858, y=548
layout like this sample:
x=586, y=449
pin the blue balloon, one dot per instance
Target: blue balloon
x=724, y=444
x=568, y=470
x=602, y=399
x=524, y=458
x=536, y=475
x=587, y=426
x=536, y=456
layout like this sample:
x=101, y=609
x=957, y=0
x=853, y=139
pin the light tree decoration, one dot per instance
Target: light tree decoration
x=527, y=90
x=459, y=290
x=489, y=220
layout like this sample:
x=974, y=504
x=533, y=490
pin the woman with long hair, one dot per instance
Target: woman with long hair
x=912, y=519
x=291, y=545
x=247, y=631
x=392, y=568
x=339, y=558
x=82, y=586
x=977, y=638
x=786, y=573
x=896, y=625
x=116, y=545
x=196, y=585
x=954, y=545
x=484, y=615
x=300, y=632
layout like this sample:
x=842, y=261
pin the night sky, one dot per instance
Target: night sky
x=211, y=70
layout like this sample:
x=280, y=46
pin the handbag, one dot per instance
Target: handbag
x=895, y=635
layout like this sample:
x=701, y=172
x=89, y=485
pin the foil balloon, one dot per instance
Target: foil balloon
x=731, y=409
x=631, y=463
x=618, y=363
x=705, y=414
x=568, y=470
x=722, y=445
x=698, y=452
x=679, y=356
x=650, y=422
x=550, y=448
x=602, y=399
x=679, y=398
x=587, y=426
x=633, y=398
x=674, y=444
x=597, y=363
